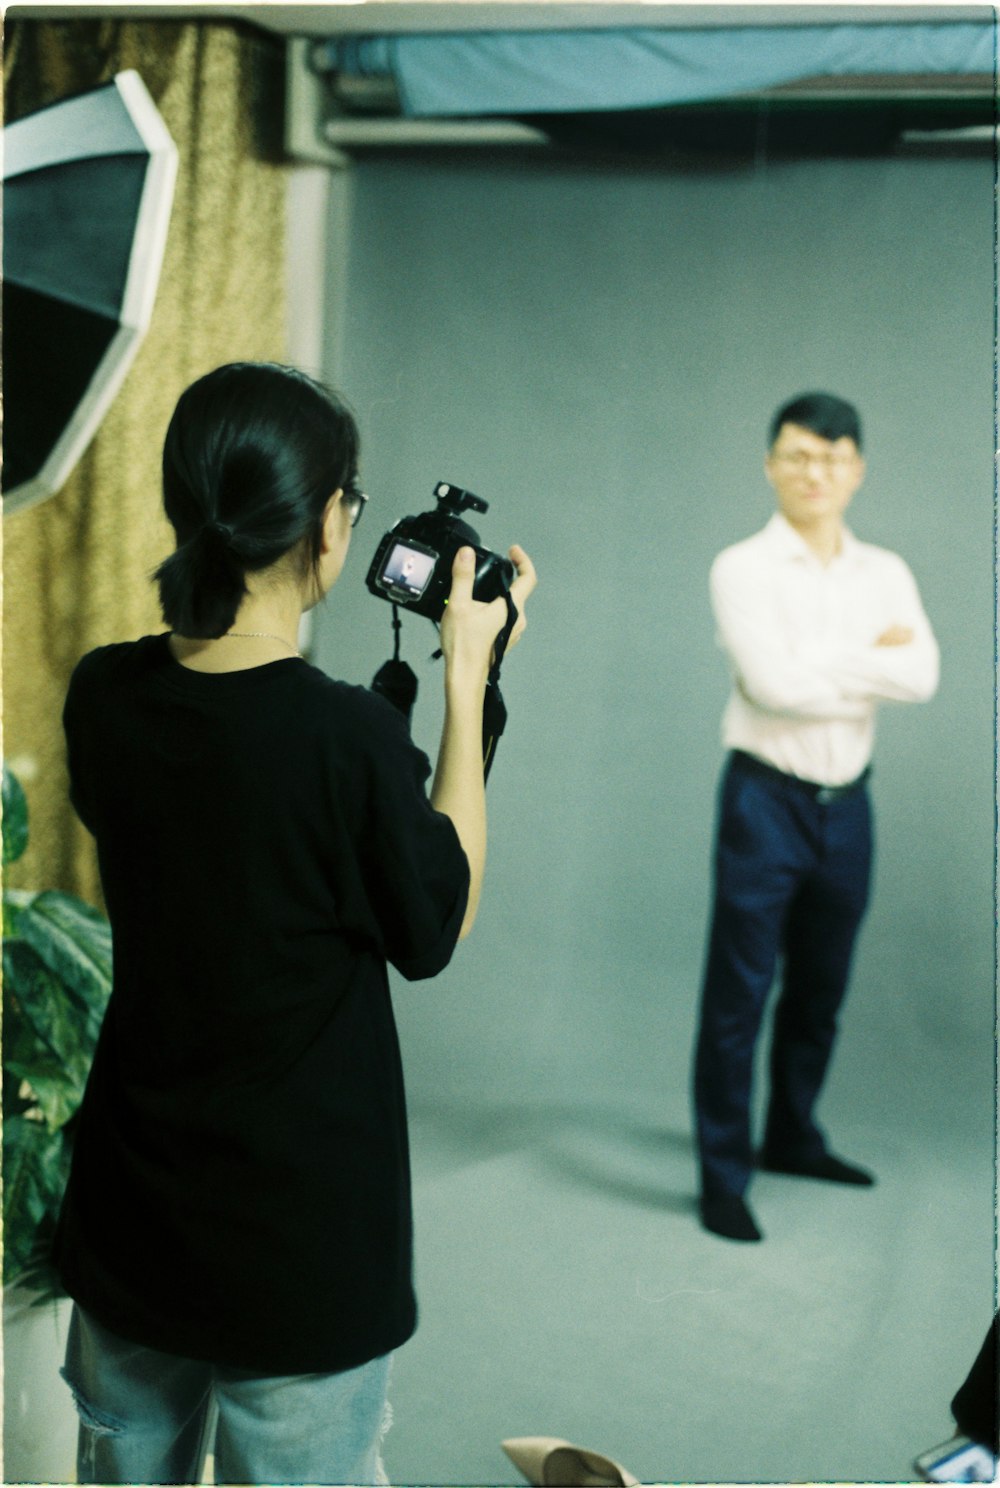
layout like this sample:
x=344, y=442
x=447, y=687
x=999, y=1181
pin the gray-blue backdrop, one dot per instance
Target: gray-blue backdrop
x=596, y=351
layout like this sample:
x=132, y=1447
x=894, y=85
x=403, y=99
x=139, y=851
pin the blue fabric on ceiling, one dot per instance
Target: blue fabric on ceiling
x=528, y=72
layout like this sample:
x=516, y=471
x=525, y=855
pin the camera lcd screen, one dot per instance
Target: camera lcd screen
x=407, y=569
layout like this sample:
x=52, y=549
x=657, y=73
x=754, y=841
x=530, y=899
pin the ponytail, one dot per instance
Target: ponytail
x=202, y=584
x=253, y=453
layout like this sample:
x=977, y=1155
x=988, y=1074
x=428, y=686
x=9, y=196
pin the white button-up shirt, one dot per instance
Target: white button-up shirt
x=800, y=636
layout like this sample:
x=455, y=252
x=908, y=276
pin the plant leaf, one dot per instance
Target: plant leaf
x=14, y=902
x=74, y=942
x=36, y=1169
x=55, y=1090
x=15, y=818
x=49, y=1038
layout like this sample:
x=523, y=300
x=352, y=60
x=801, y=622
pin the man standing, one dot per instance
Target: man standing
x=818, y=628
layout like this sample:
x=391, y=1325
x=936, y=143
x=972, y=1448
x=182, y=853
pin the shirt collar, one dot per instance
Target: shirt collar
x=787, y=543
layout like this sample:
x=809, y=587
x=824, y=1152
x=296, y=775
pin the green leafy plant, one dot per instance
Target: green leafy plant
x=56, y=984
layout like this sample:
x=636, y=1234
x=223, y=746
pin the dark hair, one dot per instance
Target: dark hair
x=253, y=453
x=821, y=413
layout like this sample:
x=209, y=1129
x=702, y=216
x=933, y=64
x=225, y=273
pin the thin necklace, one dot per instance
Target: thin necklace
x=259, y=635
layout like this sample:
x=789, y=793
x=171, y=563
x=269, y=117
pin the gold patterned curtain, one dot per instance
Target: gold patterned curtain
x=77, y=566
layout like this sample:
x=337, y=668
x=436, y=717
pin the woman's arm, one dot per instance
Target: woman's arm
x=468, y=632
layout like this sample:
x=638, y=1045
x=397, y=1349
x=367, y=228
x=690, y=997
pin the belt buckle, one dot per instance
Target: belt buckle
x=826, y=794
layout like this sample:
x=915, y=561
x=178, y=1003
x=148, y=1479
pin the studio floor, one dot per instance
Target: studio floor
x=567, y=1289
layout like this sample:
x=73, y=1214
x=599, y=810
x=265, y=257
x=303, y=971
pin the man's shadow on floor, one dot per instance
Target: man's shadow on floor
x=597, y=1146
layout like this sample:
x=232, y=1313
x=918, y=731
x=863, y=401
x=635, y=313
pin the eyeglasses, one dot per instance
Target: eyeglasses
x=800, y=460
x=355, y=500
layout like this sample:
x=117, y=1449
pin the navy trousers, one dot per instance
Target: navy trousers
x=792, y=875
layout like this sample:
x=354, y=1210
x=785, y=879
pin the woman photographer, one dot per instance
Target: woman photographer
x=236, y=1232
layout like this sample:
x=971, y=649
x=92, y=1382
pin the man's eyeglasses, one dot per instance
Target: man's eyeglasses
x=355, y=500
x=800, y=460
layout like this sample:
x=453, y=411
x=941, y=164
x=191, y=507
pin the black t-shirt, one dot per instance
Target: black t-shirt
x=240, y=1189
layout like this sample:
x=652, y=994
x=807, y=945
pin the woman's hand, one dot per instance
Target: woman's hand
x=520, y=589
x=469, y=627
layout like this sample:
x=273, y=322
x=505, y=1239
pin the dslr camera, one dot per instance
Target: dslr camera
x=413, y=562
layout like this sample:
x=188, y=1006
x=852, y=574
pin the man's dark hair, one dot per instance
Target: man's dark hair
x=253, y=454
x=821, y=413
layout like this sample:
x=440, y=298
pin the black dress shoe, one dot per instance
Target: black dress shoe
x=826, y=1166
x=728, y=1215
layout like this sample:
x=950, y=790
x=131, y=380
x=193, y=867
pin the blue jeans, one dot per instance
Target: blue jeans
x=792, y=875
x=149, y=1417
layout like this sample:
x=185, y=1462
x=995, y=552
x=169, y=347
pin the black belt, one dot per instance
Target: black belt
x=823, y=794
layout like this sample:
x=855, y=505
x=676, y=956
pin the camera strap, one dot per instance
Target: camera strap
x=395, y=680
x=397, y=683
x=494, y=707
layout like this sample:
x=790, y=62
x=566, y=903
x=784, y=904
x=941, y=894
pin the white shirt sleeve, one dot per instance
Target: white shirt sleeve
x=903, y=674
x=767, y=669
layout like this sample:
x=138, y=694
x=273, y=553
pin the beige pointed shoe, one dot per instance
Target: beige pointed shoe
x=550, y=1462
